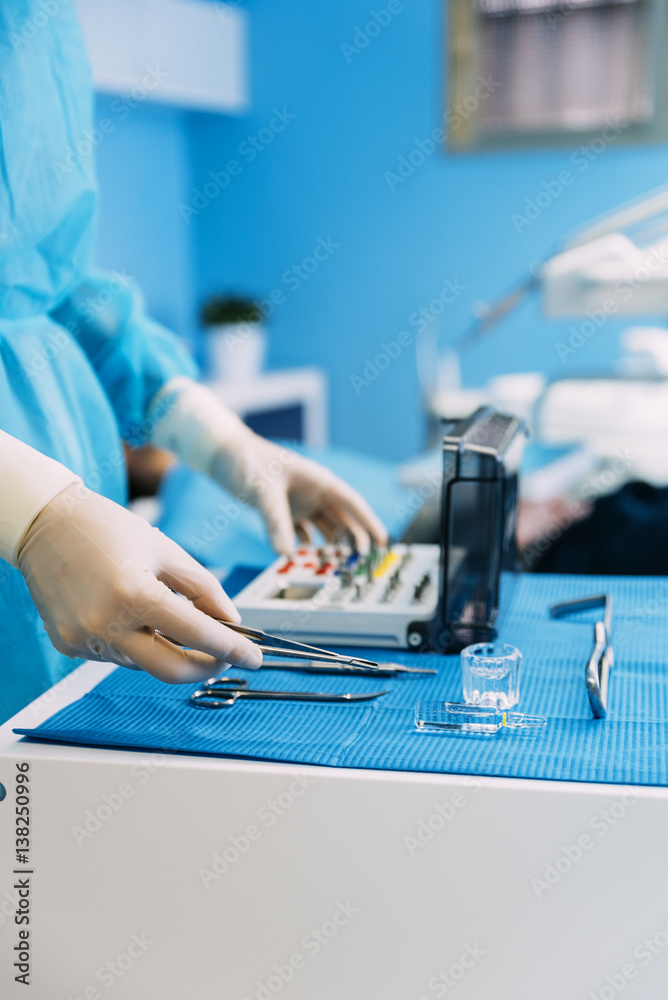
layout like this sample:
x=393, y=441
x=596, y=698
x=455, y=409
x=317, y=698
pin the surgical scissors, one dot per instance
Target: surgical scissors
x=601, y=659
x=224, y=692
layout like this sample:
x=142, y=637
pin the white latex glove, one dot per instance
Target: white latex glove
x=100, y=578
x=290, y=491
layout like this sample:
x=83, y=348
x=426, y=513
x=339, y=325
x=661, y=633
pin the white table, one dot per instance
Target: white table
x=173, y=877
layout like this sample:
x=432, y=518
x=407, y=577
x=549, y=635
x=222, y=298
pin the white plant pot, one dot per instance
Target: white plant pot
x=235, y=351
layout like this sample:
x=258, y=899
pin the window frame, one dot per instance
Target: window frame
x=463, y=75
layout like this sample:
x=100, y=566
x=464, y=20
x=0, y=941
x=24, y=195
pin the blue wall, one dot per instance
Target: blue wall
x=324, y=175
x=143, y=168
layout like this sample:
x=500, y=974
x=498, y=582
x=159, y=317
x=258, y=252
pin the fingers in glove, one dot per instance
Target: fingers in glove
x=303, y=534
x=188, y=625
x=94, y=648
x=68, y=649
x=275, y=509
x=100, y=649
x=343, y=498
x=327, y=528
x=186, y=576
x=167, y=662
x=358, y=533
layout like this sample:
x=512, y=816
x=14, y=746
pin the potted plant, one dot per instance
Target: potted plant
x=236, y=342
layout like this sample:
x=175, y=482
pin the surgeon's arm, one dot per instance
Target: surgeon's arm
x=149, y=378
x=133, y=355
x=104, y=581
x=292, y=493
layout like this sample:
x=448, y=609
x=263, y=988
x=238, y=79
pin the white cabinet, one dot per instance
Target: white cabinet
x=168, y=876
x=194, y=53
x=290, y=403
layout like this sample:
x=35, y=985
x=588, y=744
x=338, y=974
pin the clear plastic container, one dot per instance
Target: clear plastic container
x=458, y=718
x=491, y=674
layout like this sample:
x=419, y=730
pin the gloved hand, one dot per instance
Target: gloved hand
x=290, y=491
x=100, y=578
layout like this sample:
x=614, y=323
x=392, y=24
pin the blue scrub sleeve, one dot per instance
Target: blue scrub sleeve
x=132, y=354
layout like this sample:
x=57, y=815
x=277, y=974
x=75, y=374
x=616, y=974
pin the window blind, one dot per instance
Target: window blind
x=569, y=66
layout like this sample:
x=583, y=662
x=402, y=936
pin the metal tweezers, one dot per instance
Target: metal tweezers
x=601, y=660
x=274, y=645
x=325, y=667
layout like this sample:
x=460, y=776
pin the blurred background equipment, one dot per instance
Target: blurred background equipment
x=613, y=426
x=536, y=91
x=230, y=183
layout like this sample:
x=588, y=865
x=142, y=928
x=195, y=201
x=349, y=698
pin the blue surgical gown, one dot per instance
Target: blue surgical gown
x=80, y=361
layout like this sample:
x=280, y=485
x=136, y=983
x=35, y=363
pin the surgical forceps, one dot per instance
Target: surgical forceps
x=275, y=645
x=601, y=660
x=224, y=692
x=318, y=667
